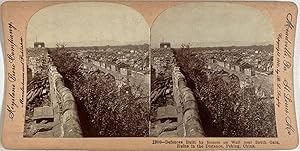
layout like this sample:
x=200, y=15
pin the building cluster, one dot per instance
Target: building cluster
x=250, y=72
x=121, y=68
x=250, y=65
x=251, y=85
x=135, y=81
x=135, y=58
x=249, y=60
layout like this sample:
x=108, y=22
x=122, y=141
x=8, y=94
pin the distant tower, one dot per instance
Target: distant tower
x=39, y=45
x=165, y=45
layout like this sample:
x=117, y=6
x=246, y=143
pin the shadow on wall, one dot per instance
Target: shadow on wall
x=210, y=129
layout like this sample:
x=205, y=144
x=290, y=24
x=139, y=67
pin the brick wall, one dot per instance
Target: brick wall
x=63, y=99
x=184, y=96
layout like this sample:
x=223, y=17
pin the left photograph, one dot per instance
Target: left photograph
x=88, y=72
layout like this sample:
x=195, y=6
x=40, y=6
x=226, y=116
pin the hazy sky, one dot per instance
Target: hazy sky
x=87, y=24
x=211, y=24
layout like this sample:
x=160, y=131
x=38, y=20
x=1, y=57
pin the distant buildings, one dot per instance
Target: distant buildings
x=241, y=66
x=121, y=68
x=251, y=74
x=135, y=58
x=247, y=69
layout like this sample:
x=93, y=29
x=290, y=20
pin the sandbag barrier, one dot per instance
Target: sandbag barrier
x=70, y=120
x=184, y=96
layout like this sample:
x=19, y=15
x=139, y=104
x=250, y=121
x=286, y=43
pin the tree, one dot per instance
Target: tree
x=225, y=108
x=103, y=109
x=185, y=45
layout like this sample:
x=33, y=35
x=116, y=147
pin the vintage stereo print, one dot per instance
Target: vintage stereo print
x=149, y=75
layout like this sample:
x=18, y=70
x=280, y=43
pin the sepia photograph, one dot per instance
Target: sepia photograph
x=149, y=75
x=212, y=72
x=88, y=72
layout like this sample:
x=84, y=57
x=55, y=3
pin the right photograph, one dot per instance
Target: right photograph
x=212, y=72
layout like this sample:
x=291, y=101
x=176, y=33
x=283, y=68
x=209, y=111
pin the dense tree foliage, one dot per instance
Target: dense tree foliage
x=225, y=108
x=104, y=108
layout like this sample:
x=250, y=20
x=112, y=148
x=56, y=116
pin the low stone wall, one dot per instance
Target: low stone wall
x=184, y=97
x=63, y=98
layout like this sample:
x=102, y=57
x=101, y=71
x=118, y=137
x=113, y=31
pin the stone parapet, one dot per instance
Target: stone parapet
x=62, y=98
x=184, y=97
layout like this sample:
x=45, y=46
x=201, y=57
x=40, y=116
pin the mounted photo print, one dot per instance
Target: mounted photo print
x=149, y=75
x=89, y=75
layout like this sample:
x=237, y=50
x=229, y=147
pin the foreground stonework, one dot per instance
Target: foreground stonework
x=183, y=96
x=64, y=102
